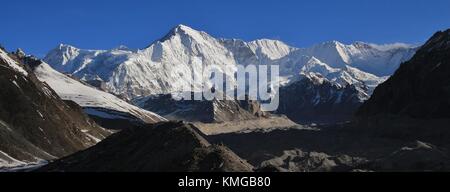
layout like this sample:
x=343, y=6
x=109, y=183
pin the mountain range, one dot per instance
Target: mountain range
x=368, y=107
x=164, y=66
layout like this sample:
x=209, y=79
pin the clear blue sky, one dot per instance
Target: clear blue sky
x=39, y=25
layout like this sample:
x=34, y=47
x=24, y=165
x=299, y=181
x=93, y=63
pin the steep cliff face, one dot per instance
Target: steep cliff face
x=36, y=124
x=416, y=99
x=313, y=99
x=202, y=111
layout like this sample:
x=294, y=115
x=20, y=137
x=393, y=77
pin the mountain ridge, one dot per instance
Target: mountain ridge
x=35, y=123
x=184, y=46
x=414, y=101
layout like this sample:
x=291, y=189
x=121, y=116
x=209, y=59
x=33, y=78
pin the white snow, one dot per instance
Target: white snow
x=11, y=63
x=5, y=125
x=40, y=114
x=379, y=60
x=271, y=49
x=8, y=161
x=102, y=114
x=164, y=67
x=387, y=47
x=9, y=164
x=97, y=140
x=86, y=96
x=15, y=83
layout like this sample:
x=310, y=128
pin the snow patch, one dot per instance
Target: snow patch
x=165, y=66
x=11, y=63
x=89, y=97
x=97, y=140
x=40, y=114
x=15, y=83
x=8, y=161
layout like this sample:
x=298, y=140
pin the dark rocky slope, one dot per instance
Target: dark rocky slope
x=165, y=147
x=415, y=101
x=314, y=100
x=35, y=124
x=202, y=111
x=403, y=127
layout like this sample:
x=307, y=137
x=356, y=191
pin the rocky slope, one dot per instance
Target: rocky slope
x=314, y=99
x=107, y=109
x=165, y=147
x=35, y=123
x=202, y=111
x=414, y=102
x=416, y=156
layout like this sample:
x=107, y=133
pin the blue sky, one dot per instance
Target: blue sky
x=38, y=26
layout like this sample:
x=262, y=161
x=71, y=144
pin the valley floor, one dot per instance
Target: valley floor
x=332, y=148
x=289, y=147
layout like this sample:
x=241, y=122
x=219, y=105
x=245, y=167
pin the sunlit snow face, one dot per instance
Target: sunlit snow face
x=250, y=82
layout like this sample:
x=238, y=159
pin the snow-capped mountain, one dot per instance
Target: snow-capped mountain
x=162, y=67
x=380, y=60
x=95, y=102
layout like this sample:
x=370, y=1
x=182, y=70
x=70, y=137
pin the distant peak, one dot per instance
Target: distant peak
x=122, y=48
x=332, y=43
x=314, y=60
x=20, y=53
x=183, y=27
x=360, y=44
x=439, y=41
x=268, y=40
x=63, y=46
x=182, y=30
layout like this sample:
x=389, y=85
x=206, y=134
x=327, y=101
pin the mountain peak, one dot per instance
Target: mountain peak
x=63, y=46
x=186, y=30
x=181, y=30
x=439, y=41
x=332, y=43
x=183, y=27
x=20, y=53
x=362, y=45
x=123, y=48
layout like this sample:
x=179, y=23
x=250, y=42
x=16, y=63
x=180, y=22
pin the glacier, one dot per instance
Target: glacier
x=164, y=66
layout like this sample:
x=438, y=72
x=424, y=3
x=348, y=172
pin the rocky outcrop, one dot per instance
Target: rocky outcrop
x=163, y=147
x=316, y=100
x=300, y=161
x=203, y=110
x=417, y=156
